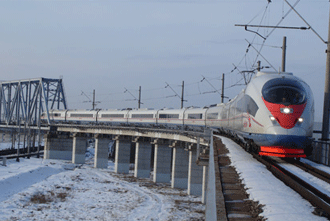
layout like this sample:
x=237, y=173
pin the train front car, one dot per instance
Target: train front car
x=283, y=124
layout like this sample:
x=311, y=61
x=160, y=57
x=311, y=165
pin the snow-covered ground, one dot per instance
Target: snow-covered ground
x=319, y=184
x=37, y=189
x=280, y=202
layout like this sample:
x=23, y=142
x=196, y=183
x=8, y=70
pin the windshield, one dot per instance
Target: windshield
x=284, y=91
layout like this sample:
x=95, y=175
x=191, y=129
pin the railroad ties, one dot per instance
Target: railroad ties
x=237, y=203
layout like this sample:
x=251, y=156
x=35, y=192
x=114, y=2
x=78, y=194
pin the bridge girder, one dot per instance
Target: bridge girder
x=23, y=101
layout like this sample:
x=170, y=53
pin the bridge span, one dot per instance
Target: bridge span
x=167, y=155
x=178, y=156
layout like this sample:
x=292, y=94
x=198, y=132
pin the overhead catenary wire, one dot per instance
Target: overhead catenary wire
x=135, y=99
x=216, y=91
x=129, y=91
x=83, y=93
x=265, y=38
x=245, y=58
x=261, y=55
x=169, y=86
x=283, y=17
x=309, y=26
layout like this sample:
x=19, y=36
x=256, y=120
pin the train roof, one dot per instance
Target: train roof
x=260, y=73
x=262, y=77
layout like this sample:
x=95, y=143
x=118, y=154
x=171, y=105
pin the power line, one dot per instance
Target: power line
x=261, y=55
x=135, y=99
x=305, y=21
x=169, y=86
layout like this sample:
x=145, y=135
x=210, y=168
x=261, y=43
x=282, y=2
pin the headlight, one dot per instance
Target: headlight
x=286, y=110
x=300, y=119
x=272, y=118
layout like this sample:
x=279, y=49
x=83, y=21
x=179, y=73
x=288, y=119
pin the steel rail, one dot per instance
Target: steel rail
x=313, y=171
x=307, y=191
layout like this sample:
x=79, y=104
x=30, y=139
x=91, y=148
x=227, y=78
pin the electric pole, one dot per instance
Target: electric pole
x=93, y=104
x=223, y=88
x=325, y=122
x=283, y=54
x=139, y=102
x=182, y=94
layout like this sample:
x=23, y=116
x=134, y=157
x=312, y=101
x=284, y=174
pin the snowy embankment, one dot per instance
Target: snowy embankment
x=280, y=202
x=37, y=189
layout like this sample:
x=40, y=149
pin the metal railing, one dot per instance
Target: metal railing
x=211, y=208
x=321, y=152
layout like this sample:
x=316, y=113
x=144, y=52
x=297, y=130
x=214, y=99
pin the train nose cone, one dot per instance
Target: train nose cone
x=278, y=136
x=278, y=130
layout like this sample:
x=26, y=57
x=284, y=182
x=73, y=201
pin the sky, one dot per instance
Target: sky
x=116, y=46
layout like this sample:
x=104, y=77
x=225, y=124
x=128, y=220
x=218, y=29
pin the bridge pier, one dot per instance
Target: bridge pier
x=162, y=162
x=122, y=158
x=78, y=149
x=180, y=164
x=195, y=175
x=101, y=151
x=58, y=147
x=142, y=158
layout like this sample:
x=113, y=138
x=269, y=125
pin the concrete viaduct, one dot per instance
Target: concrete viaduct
x=180, y=157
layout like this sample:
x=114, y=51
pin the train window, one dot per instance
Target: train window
x=142, y=116
x=112, y=115
x=81, y=115
x=247, y=105
x=172, y=116
x=252, y=107
x=212, y=116
x=195, y=116
x=284, y=91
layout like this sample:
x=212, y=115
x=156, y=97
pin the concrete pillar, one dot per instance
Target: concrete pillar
x=101, y=152
x=180, y=164
x=162, y=163
x=142, y=158
x=122, y=157
x=78, y=149
x=58, y=147
x=195, y=175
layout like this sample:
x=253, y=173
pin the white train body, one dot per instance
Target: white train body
x=275, y=112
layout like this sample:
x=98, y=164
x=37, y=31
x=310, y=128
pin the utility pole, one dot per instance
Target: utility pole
x=139, y=102
x=223, y=88
x=283, y=54
x=259, y=66
x=182, y=94
x=325, y=123
x=93, y=104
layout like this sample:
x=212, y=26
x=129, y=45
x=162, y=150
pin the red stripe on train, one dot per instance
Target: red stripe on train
x=288, y=120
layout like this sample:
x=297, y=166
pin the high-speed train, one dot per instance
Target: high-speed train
x=273, y=116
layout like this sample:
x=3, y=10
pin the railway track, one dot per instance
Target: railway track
x=238, y=206
x=316, y=197
x=312, y=170
x=305, y=189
